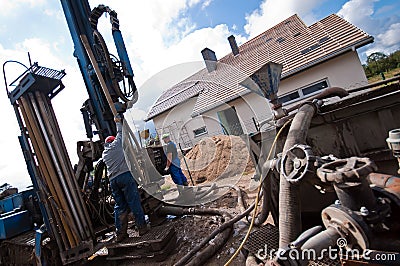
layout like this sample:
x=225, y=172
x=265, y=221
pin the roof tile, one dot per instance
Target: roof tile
x=290, y=43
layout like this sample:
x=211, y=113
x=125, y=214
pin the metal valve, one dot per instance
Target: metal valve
x=297, y=162
x=394, y=144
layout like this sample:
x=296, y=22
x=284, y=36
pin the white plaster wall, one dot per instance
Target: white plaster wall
x=179, y=114
x=344, y=71
x=247, y=106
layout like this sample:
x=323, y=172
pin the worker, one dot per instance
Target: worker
x=123, y=185
x=173, y=162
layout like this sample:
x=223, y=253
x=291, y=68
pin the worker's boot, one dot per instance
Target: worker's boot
x=122, y=233
x=143, y=229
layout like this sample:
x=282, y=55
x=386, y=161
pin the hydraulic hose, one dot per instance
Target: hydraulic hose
x=225, y=229
x=265, y=208
x=289, y=196
x=219, y=241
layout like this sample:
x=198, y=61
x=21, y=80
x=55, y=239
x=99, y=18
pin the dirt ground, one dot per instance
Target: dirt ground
x=191, y=230
x=225, y=161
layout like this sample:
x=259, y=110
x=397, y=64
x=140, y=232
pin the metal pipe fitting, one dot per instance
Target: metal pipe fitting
x=394, y=144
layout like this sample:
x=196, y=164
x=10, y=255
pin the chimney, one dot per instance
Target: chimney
x=210, y=59
x=234, y=46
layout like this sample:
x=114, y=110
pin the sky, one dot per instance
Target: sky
x=160, y=35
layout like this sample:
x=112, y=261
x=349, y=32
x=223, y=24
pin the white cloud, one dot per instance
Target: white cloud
x=386, y=42
x=58, y=14
x=9, y=7
x=392, y=36
x=66, y=105
x=205, y=4
x=12, y=167
x=271, y=12
x=385, y=31
x=359, y=13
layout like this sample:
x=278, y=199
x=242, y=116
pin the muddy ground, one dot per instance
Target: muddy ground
x=191, y=230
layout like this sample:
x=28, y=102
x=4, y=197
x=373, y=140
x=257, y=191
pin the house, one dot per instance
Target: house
x=212, y=101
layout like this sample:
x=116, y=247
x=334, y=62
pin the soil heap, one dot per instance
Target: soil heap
x=217, y=157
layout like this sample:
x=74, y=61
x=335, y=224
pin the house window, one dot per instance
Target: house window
x=280, y=40
x=323, y=40
x=200, y=131
x=289, y=97
x=304, y=92
x=315, y=88
x=269, y=39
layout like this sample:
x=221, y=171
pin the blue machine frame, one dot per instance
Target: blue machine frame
x=83, y=22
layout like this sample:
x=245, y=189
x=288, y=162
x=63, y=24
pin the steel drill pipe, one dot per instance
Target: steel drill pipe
x=75, y=226
x=46, y=168
x=72, y=182
x=63, y=162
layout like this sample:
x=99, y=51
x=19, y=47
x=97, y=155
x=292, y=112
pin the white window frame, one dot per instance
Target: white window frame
x=202, y=133
x=301, y=94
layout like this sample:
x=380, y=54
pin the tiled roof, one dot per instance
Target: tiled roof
x=290, y=43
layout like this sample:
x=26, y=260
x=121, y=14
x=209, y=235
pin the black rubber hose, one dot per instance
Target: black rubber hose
x=218, y=242
x=265, y=209
x=289, y=196
x=227, y=226
x=205, y=241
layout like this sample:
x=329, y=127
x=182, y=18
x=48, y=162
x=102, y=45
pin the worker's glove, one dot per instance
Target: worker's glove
x=118, y=118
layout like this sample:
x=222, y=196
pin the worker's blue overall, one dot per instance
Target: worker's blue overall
x=123, y=186
x=175, y=168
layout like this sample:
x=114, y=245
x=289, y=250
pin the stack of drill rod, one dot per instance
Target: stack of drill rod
x=63, y=200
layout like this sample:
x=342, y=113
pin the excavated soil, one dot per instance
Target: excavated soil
x=216, y=158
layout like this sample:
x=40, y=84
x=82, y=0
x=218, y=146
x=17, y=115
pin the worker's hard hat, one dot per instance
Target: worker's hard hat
x=109, y=139
x=164, y=136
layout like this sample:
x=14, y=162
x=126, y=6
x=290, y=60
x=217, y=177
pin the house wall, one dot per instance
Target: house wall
x=247, y=107
x=176, y=122
x=344, y=71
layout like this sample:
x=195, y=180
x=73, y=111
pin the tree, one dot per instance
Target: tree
x=377, y=62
